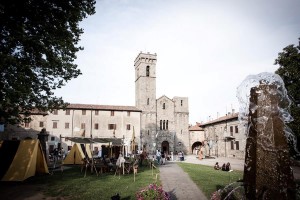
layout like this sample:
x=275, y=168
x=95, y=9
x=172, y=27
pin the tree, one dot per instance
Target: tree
x=289, y=71
x=38, y=45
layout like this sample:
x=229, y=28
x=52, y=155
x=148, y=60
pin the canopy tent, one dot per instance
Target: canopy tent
x=82, y=140
x=21, y=159
x=78, y=153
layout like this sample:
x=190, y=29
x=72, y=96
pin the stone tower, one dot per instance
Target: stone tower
x=145, y=98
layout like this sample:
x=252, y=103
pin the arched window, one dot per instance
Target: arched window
x=164, y=106
x=167, y=125
x=147, y=71
x=160, y=125
x=164, y=123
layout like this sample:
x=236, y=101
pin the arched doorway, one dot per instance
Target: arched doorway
x=165, y=147
x=196, y=147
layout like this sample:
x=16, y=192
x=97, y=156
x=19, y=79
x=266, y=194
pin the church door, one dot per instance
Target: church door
x=165, y=147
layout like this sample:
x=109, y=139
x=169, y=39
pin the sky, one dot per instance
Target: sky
x=205, y=49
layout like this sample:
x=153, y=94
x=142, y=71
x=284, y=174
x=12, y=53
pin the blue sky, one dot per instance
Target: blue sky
x=205, y=49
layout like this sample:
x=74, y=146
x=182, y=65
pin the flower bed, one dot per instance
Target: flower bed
x=151, y=192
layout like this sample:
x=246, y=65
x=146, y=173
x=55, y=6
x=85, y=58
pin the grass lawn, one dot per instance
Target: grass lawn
x=72, y=184
x=208, y=179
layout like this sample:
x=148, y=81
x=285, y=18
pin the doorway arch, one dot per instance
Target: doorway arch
x=165, y=147
x=196, y=147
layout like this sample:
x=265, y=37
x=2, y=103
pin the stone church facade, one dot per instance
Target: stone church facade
x=164, y=121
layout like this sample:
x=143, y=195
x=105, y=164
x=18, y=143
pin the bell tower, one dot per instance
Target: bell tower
x=145, y=98
x=145, y=82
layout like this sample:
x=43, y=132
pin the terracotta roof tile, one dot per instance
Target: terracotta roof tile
x=195, y=128
x=221, y=119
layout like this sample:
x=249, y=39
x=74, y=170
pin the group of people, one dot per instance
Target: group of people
x=225, y=167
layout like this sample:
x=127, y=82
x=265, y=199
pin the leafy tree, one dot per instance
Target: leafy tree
x=289, y=71
x=38, y=45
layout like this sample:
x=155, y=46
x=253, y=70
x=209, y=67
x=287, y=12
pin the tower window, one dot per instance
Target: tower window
x=164, y=123
x=164, y=106
x=160, y=125
x=148, y=101
x=167, y=124
x=181, y=102
x=147, y=71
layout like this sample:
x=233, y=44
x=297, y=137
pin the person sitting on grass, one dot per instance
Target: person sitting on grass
x=228, y=167
x=217, y=167
x=224, y=167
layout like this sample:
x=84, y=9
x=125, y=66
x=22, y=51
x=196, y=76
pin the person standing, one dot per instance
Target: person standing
x=158, y=157
x=163, y=158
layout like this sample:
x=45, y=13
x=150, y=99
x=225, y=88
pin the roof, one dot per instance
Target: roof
x=102, y=107
x=83, y=140
x=195, y=128
x=221, y=119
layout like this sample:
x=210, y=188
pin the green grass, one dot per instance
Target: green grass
x=72, y=183
x=208, y=179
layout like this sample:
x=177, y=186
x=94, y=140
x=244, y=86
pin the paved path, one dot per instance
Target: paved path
x=178, y=184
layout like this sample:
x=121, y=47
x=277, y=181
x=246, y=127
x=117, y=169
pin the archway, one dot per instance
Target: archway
x=196, y=147
x=165, y=147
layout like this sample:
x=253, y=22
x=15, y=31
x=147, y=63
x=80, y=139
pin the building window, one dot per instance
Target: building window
x=83, y=112
x=237, y=145
x=54, y=125
x=67, y=112
x=236, y=129
x=148, y=101
x=148, y=71
x=160, y=125
x=232, y=145
x=41, y=124
x=128, y=113
x=231, y=130
x=26, y=125
x=52, y=138
x=164, y=106
x=67, y=125
x=164, y=125
x=112, y=113
x=96, y=126
x=112, y=126
x=55, y=112
x=82, y=125
x=148, y=132
x=128, y=126
x=167, y=125
x=181, y=102
x=96, y=112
